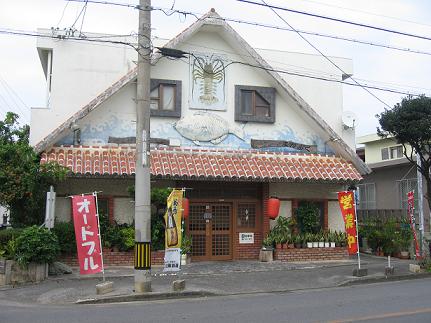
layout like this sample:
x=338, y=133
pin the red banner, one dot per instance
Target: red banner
x=347, y=206
x=87, y=234
x=410, y=210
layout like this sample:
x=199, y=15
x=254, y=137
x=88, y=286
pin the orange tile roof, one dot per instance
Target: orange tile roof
x=184, y=163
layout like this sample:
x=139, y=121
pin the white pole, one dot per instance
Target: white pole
x=357, y=232
x=100, y=235
x=420, y=202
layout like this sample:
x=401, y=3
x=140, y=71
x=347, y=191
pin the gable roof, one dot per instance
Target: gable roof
x=213, y=18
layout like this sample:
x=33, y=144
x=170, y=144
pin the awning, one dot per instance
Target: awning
x=195, y=164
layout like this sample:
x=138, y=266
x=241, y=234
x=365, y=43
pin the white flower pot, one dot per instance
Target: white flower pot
x=327, y=244
x=315, y=244
x=332, y=244
x=309, y=245
x=321, y=245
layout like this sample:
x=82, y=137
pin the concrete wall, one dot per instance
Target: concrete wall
x=81, y=71
x=374, y=146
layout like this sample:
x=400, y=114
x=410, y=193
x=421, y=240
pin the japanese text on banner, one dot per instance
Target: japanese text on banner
x=411, y=211
x=347, y=205
x=87, y=234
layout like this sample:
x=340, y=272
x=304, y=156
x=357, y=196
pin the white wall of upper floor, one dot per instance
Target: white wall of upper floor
x=81, y=71
x=373, y=145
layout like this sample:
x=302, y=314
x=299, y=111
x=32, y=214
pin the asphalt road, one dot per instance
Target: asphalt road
x=405, y=301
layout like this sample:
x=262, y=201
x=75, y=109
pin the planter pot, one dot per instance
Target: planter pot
x=290, y=246
x=278, y=246
x=404, y=255
x=185, y=259
x=321, y=245
x=14, y=274
x=309, y=245
x=285, y=246
x=297, y=245
x=327, y=244
x=332, y=244
x=315, y=244
x=266, y=255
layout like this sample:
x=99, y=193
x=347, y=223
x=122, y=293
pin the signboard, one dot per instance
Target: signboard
x=172, y=259
x=173, y=231
x=410, y=210
x=87, y=234
x=246, y=237
x=347, y=205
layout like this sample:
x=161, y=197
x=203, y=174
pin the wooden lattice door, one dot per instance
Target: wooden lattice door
x=210, y=225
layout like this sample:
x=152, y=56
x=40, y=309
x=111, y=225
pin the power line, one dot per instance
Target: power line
x=33, y=34
x=337, y=20
x=327, y=58
x=62, y=14
x=368, y=13
x=170, y=11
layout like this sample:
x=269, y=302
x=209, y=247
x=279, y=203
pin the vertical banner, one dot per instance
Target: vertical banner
x=173, y=217
x=87, y=234
x=347, y=205
x=410, y=210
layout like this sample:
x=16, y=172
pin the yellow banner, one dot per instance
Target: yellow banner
x=173, y=217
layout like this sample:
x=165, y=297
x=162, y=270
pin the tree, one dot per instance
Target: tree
x=23, y=181
x=410, y=123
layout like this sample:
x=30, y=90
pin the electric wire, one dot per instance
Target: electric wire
x=337, y=20
x=170, y=11
x=62, y=14
x=367, y=89
x=32, y=34
x=83, y=17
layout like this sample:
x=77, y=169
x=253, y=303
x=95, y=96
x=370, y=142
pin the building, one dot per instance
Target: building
x=223, y=123
x=384, y=191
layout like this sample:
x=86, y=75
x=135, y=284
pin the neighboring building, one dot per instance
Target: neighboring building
x=384, y=191
x=209, y=109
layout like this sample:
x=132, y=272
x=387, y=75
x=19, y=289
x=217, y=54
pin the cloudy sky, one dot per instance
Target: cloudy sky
x=22, y=84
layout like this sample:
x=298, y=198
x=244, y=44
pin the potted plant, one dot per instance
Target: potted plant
x=326, y=238
x=297, y=241
x=278, y=239
x=186, y=248
x=308, y=238
x=321, y=240
x=266, y=254
x=290, y=241
x=332, y=238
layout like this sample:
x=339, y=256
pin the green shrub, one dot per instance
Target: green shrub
x=128, y=238
x=308, y=216
x=8, y=234
x=37, y=245
x=65, y=233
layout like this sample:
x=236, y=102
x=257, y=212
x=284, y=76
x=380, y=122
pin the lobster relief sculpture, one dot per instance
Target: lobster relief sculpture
x=208, y=82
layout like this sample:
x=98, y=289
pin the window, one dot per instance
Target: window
x=255, y=104
x=246, y=215
x=165, y=96
x=367, y=196
x=396, y=152
x=392, y=152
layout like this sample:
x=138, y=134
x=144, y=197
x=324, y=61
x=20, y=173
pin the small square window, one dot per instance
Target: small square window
x=255, y=104
x=396, y=152
x=385, y=153
x=165, y=98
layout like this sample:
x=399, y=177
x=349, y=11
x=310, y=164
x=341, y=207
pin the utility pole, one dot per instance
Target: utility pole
x=142, y=174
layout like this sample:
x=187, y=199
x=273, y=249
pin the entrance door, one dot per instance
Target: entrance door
x=210, y=225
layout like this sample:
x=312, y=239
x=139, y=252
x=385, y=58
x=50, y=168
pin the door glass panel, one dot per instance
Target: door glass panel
x=220, y=217
x=221, y=245
x=196, y=218
x=198, y=245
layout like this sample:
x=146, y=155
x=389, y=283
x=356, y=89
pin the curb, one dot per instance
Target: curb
x=146, y=297
x=385, y=279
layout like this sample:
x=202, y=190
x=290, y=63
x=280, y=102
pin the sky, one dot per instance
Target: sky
x=22, y=83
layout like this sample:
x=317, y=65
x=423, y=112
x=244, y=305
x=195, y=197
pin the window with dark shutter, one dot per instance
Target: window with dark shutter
x=385, y=153
x=254, y=104
x=165, y=98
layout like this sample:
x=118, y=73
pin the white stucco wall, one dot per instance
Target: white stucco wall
x=305, y=191
x=81, y=71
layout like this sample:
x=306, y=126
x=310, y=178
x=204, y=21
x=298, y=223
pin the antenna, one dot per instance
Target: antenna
x=349, y=119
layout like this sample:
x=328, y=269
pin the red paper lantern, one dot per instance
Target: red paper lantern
x=186, y=207
x=273, y=207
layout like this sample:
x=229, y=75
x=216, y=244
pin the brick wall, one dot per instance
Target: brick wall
x=311, y=254
x=118, y=258
x=248, y=251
